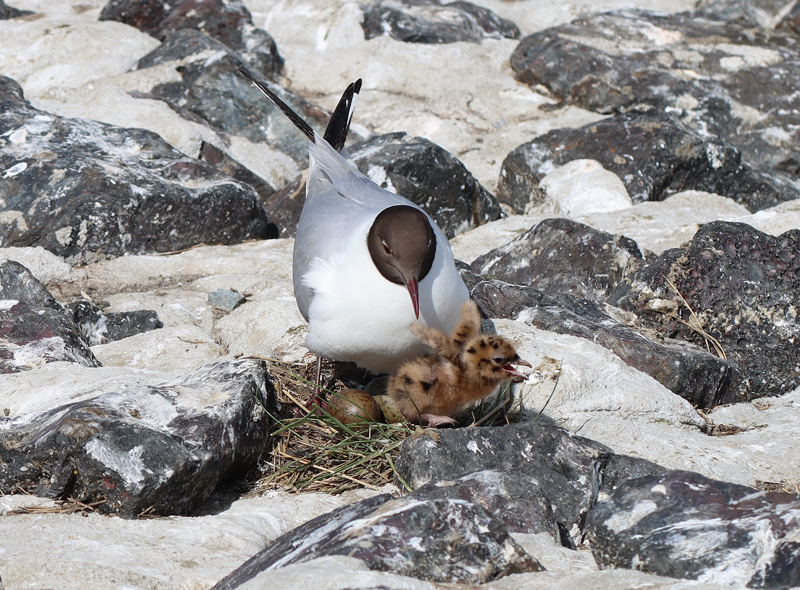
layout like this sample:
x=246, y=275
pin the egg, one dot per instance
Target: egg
x=351, y=406
x=390, y=413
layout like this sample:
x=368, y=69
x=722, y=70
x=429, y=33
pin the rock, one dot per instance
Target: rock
x=229, y=22
x=428, y=175
x=158, y=448
x=213, y=92
x=719, y=75
x=653, y=153
x=98, y=328
x=17, y=283
x=144, y=15
x=85, y=190
x=33, y=335
x=644, y=223
x=415, y=168
x=568, y=469
x=226, y=299
x=687, y=370
x=562, y=256
x=516, y=500
x=33, y=331
x=683, y=525
x=227, y=165
x=7, y=12
x=584, y=186
x=194, y=552
x=430, y=21
x=740, y=287
x=440, y=540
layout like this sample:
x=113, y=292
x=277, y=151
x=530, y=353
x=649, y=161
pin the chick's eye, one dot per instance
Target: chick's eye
x=499, y=360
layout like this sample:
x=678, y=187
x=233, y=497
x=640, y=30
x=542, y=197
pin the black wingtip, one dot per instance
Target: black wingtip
x=339, y=125
x=298, y=121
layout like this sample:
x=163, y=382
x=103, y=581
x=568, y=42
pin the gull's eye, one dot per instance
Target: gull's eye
x=386, y=247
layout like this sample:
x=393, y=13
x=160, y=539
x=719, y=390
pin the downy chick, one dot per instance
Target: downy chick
x=462, y=369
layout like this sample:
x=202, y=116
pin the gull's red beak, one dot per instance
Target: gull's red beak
x=511, y=370
x=413, y=290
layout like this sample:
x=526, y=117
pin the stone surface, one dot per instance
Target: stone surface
x=212, y=91
x=7, y=12
x=171, y=552
x=583, y=186
x=687, y=370
x=568, y=470
x=684, y=525
x=406, y=536
x=97, y=327
x=160, y=449
x=226, y=299
x=740, y=287
x=654, y=154
x=430, y=21
x=516, y=500
x=229, y=22
x=415, y=168
x=719, y=74
x=33, y=329
x=562, y=256
x=85, y=190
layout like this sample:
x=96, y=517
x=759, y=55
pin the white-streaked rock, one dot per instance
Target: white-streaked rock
x=72, y=551
x=581, y=187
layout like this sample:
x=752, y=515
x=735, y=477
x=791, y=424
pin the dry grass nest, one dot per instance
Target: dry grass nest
x=312, y=451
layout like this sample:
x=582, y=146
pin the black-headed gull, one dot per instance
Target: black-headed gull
x=367, y=263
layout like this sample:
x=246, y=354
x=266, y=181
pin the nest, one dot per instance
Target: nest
x=312, y=451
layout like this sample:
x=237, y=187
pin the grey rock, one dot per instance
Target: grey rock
x=684, y=525
x=517, y=500
x=563, y=256
x=441, y=540
x=214, y=93
x=86, y=190
x=227, y=165
x=225, y=299
x=653, y=153
x=684, y=368
x=33, y=329
x=413, y=167
x=162, y=449
x=695, y=69
x=568, y=469
x=742, y=288
x=17, y=282
x=98, y=328
x=7, y=11
x=181, y=25
x=430, y=21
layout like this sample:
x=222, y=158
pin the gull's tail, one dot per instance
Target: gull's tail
x=339, y=125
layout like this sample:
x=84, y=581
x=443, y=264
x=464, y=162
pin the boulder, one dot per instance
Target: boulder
x=653, y=153
x=563, y=256
x=430, y=21
x=441, y=540
x=86, y=190
x=733, y=289
x=158, y=449
x=683, y=525
x=718, y=73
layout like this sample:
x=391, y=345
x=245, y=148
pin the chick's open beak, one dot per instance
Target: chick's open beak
x=511, y=370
